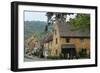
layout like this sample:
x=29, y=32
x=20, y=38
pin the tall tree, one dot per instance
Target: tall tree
x=55, y=16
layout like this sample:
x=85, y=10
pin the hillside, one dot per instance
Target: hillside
x=34, y=27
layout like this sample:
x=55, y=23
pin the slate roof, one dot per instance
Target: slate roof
x=65, y=30
x=48, y=37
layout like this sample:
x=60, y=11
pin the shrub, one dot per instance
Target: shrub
x=82, y=53
x=53, y=57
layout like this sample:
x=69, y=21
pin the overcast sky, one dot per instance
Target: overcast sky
x=40, y=16
x=35, y=16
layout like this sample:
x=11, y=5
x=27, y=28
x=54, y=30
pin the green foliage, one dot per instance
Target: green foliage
x=83, y=53
x=53, y=57
x=81, y=22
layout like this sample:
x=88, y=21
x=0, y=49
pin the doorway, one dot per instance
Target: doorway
x=68, y=51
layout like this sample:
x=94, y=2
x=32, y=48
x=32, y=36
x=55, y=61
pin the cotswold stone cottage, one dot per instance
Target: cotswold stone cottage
x=64, y=41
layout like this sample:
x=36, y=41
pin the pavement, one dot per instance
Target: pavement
x=34, y=58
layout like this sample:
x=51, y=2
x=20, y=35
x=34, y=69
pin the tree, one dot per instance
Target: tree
x=55, y=16
x=81, y=22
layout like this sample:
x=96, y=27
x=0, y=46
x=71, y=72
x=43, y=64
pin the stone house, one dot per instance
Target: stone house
x=64, y=41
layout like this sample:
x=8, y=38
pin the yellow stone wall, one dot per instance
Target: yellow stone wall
x=84, y=43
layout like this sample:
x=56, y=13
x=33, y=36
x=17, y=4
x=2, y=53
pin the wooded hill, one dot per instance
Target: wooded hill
x=34, y=27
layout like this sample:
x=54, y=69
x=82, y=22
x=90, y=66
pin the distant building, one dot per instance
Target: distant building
x=31, y=44
x=47, y=44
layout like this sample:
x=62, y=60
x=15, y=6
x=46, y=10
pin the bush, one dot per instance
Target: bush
x=61, y=56
x=83, y=53
x=53, y=57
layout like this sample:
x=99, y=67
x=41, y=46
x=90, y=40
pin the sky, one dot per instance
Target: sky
x=35, y=16
x=70, y=16
x=40, y=16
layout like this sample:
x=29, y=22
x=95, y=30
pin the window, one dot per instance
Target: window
x=56, y=41
x=81, y=40
x=55, y=32
x=67, y=40
x=56, y=51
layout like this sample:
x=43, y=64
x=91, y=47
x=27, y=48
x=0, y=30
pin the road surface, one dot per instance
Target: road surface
x=34, y=58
